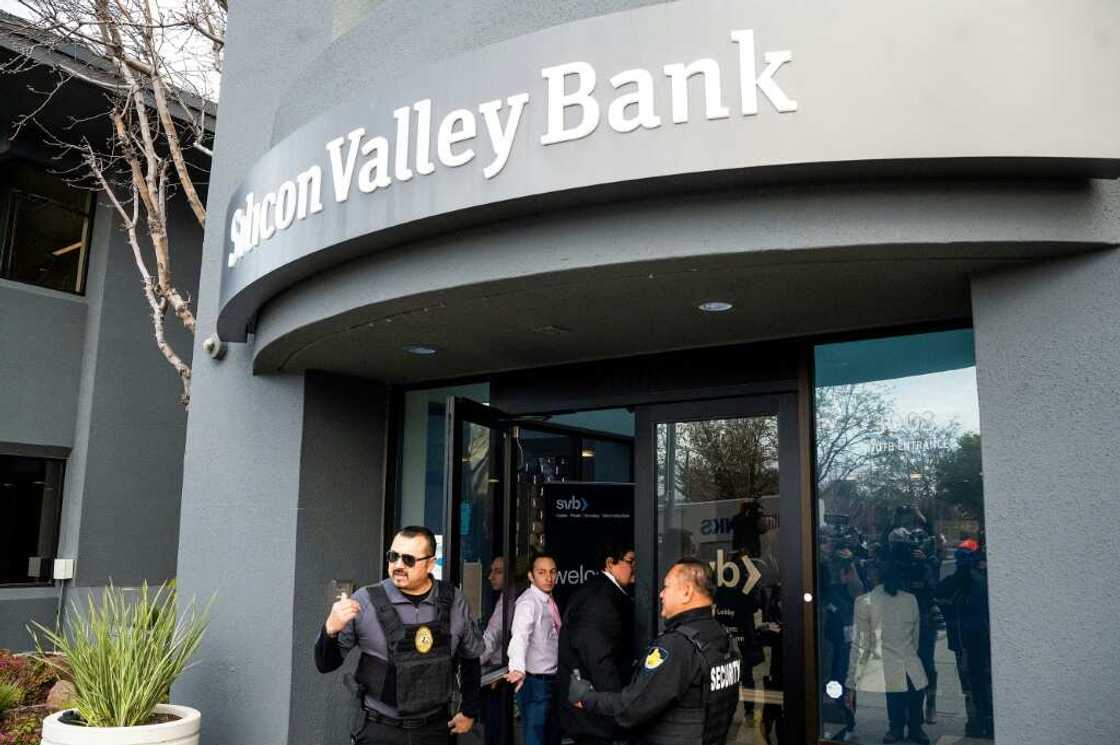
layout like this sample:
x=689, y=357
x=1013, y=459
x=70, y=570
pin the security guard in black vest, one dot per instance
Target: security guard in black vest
x=412, y=631
x=687, y=687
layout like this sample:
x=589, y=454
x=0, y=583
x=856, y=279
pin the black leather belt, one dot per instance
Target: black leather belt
x=542, y=676
x=407, y=723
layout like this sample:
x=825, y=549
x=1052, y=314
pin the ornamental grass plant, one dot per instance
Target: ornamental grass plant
x=124, y=652
x=11, y=695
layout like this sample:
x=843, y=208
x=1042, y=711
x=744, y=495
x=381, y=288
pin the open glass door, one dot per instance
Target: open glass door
x=476, y=504
x=718, y=481
x=514, y=486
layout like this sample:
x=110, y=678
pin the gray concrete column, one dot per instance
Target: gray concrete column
x=237, y=541
x=1048, y=369
x=338, y=536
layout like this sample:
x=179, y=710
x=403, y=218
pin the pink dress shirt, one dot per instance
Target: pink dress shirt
x=534, y=638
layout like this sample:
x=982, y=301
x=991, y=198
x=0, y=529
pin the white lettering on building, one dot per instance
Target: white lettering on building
x=373, y=163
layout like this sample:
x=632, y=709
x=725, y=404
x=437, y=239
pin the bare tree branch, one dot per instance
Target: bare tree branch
x=146, y=59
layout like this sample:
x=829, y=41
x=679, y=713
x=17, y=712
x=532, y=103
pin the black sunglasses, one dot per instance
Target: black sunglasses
x=408, y=559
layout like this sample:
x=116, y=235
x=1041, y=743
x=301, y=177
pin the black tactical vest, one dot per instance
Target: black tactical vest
x=420, y=659
x=703, y=715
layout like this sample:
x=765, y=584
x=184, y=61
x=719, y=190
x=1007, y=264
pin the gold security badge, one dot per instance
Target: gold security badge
x=656, y=658
x=424, y=640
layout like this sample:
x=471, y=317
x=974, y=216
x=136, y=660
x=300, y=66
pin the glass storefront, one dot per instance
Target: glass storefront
x=898, y=616
x=902, y=559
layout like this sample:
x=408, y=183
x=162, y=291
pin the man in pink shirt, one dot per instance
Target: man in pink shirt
x=533, y=648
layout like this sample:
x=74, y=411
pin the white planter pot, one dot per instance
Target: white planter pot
x=182, y=731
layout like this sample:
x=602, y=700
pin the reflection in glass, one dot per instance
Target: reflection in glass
x=482, y=567
x=717, y=491
x=902, y=564
x=419, y=497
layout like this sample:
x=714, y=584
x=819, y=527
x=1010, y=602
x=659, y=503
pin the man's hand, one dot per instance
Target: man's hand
x=342, y=613
x=517, y=677
x=578, y=689
x=460, y=724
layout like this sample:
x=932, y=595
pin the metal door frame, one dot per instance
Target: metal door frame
x=794, y=515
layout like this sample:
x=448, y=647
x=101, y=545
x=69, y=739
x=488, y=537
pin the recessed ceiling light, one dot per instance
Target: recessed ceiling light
x=422, y=350
x=715, y=306
x=587, y=453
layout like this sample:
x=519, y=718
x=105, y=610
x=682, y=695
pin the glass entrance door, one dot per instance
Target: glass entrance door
x=476, y=544
x=719, y=481
x=514, y=487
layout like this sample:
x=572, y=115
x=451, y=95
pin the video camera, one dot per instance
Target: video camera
x=905, y=541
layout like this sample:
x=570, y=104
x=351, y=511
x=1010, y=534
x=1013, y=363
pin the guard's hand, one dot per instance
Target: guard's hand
x=517, y=677
x=342, y=613
x=460, y=724
x=850, y=699
x=578, y=690
x=919, y=555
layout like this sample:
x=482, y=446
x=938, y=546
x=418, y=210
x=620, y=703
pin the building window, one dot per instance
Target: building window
x=903, y=625
x=30, y=507
x=44, y=234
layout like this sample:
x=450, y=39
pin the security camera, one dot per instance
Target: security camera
x=214, y=347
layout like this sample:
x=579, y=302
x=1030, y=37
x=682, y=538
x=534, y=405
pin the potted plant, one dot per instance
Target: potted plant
x=123, y=653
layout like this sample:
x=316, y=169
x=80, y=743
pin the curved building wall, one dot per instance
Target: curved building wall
x=276, y=501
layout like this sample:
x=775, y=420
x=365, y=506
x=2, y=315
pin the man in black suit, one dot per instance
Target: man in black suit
x=597, y=638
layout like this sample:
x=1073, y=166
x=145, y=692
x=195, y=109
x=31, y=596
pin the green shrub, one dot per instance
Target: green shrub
x=32, y=675
x=22, y=729
x=11, y=695
x=125, y=652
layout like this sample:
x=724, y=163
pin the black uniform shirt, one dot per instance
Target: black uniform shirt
x=670, y=667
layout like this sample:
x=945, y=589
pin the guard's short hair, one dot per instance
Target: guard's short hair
x=699, y=574
x=614, y=550
x=411, y=531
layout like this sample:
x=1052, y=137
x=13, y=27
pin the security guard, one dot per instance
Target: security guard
x=411, y=630
x=687, y=688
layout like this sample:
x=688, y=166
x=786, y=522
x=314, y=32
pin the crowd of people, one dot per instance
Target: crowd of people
x=574, y=675
x=883, y=607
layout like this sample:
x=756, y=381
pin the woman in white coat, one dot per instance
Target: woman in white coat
x=885, y=656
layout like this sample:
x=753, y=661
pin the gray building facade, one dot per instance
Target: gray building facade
x=628, y=224
x=91, y=431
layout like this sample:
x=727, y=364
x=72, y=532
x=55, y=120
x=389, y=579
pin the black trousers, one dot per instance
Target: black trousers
x=376, y=733
x=905, y=709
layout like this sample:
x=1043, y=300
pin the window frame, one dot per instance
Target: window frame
x=60, y=455
x=9, y=198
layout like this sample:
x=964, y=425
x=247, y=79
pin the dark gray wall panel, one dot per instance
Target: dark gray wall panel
x=338, y=535
x=41, y=339
x=17, y=614
x=1048, y=366
x=132, y=483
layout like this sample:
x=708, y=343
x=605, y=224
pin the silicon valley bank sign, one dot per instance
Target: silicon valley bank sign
x=363, y=162
x=665, y=98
